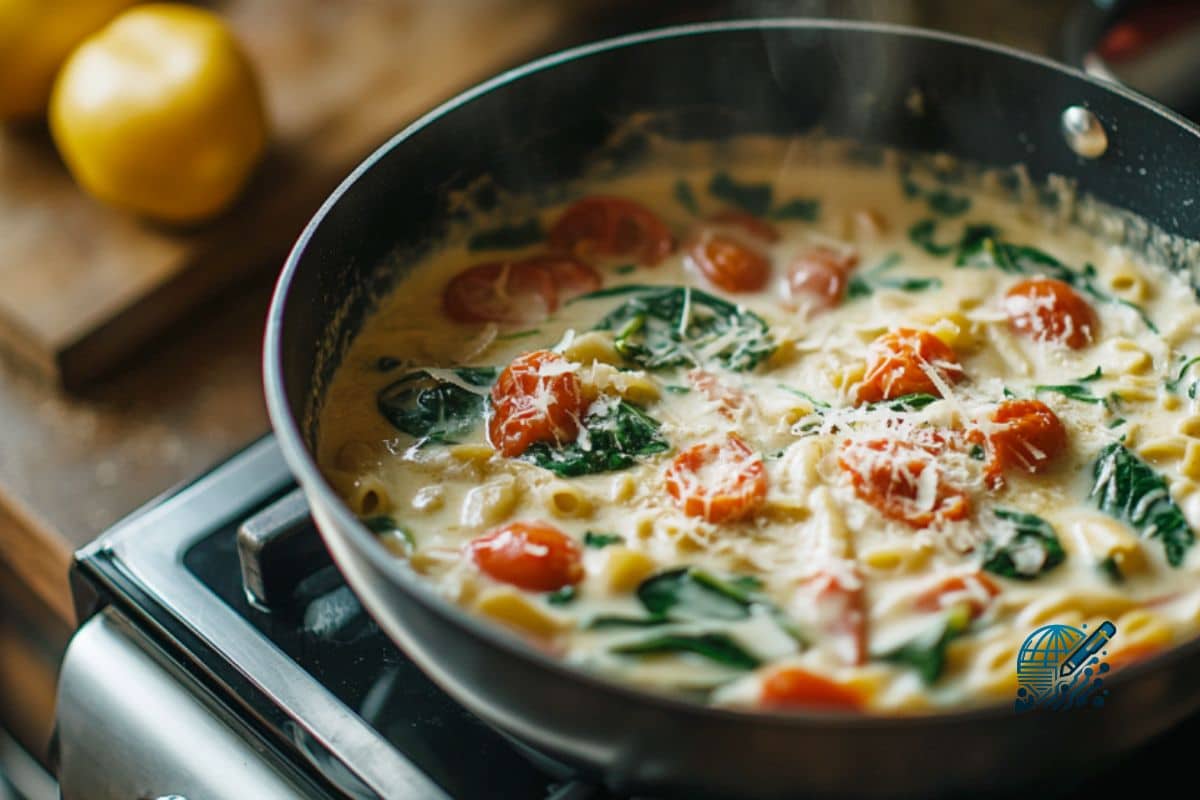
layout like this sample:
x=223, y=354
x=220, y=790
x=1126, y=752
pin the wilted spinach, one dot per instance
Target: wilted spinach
x=864, y=284
x=758, y=199
x=1127, y=488
x=616, y=434
x=1032, y=550
x=435, y=409
x=686, y=197
x=914, y=401
x=927, y=652
x=507, y=237
x=1172, y=384
x=689, y=594
x=716, y=647
x=661, y=327
x=600, y=540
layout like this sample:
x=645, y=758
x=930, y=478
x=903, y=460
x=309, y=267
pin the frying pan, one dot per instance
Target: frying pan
x=534, y=128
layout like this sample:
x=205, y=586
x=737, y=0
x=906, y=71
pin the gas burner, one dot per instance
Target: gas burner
x=215, y=619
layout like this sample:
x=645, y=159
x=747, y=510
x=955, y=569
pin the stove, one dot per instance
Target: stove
x=221, y=655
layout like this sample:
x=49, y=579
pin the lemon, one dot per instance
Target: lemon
x=160, y=112
x=35, y=37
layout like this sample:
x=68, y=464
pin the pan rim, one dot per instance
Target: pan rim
x=304, y=468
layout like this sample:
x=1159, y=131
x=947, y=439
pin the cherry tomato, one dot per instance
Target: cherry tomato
x=749, y=223
x=728, y=263
x=728, y=399
x=612, y=226
x=518, y=292
x=899, y=363
x=535, y=399
x=841, y=612
x=719, y=482
x=530, y=555
x=1048, y=310
x=796, y=688
x=887, y=473
x=1027, y=436
x=976, y=589
x=817, y=278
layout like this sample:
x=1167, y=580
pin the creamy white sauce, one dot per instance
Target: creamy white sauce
x=813, y=522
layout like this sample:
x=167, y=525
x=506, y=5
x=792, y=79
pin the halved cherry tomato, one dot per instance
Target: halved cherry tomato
x=817, y=278
x=899, y=363
x=976, y=590
x=719, y=482
x=519, y=292
x=728, y=399
x=612, y=226
x=1028, y=436
x=727, y=262
x=841, y=612
x=747, y=222
x=535, y=399
x=1049, y=310
x=796, y=688
x=887, y=473
x=531, y=555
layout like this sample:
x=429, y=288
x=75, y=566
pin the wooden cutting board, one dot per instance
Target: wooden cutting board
x=81, y=285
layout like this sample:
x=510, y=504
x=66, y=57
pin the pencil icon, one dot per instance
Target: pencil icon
x=1087, y=648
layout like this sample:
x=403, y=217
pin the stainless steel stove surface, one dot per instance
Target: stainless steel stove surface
x=222, y=656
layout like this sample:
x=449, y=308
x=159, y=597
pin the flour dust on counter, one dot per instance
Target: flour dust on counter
x=834, y=437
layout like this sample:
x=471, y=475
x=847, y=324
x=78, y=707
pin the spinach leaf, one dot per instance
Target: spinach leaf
x=508, y=337
x=507, y=237
x=686, y=198
x=662, y=327
x=435, y=409
x=1032, y=550
x=601, y=540
x=805, y=208
x=714, y=646
x=927, y=653
x=818, y=405
x=948, y=205
x=694, y=594
x=607, y=621
x=625, y=269
x=921, y=234
x=383, y=525
x=753, y=198
x=1127, y=488
x=863, y=284
x=617, y=433
x=690, y=594
x=1172, y=385
x=977, y=453
x=562, y=597
x=1072, y=391
x=906, y=402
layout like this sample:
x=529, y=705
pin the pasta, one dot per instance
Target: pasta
x=776, y=449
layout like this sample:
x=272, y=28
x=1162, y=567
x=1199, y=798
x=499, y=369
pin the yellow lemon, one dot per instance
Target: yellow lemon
x=35, y=37
x=160, y=112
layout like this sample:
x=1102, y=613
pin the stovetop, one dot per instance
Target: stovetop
x=276, y=636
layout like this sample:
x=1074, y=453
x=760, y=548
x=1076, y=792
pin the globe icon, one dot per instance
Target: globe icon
x=1040, y=656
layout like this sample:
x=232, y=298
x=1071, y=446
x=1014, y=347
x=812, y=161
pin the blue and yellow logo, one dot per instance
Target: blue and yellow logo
x=1060, y=667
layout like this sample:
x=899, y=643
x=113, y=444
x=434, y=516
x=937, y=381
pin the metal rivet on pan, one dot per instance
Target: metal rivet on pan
x=1083, y=132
